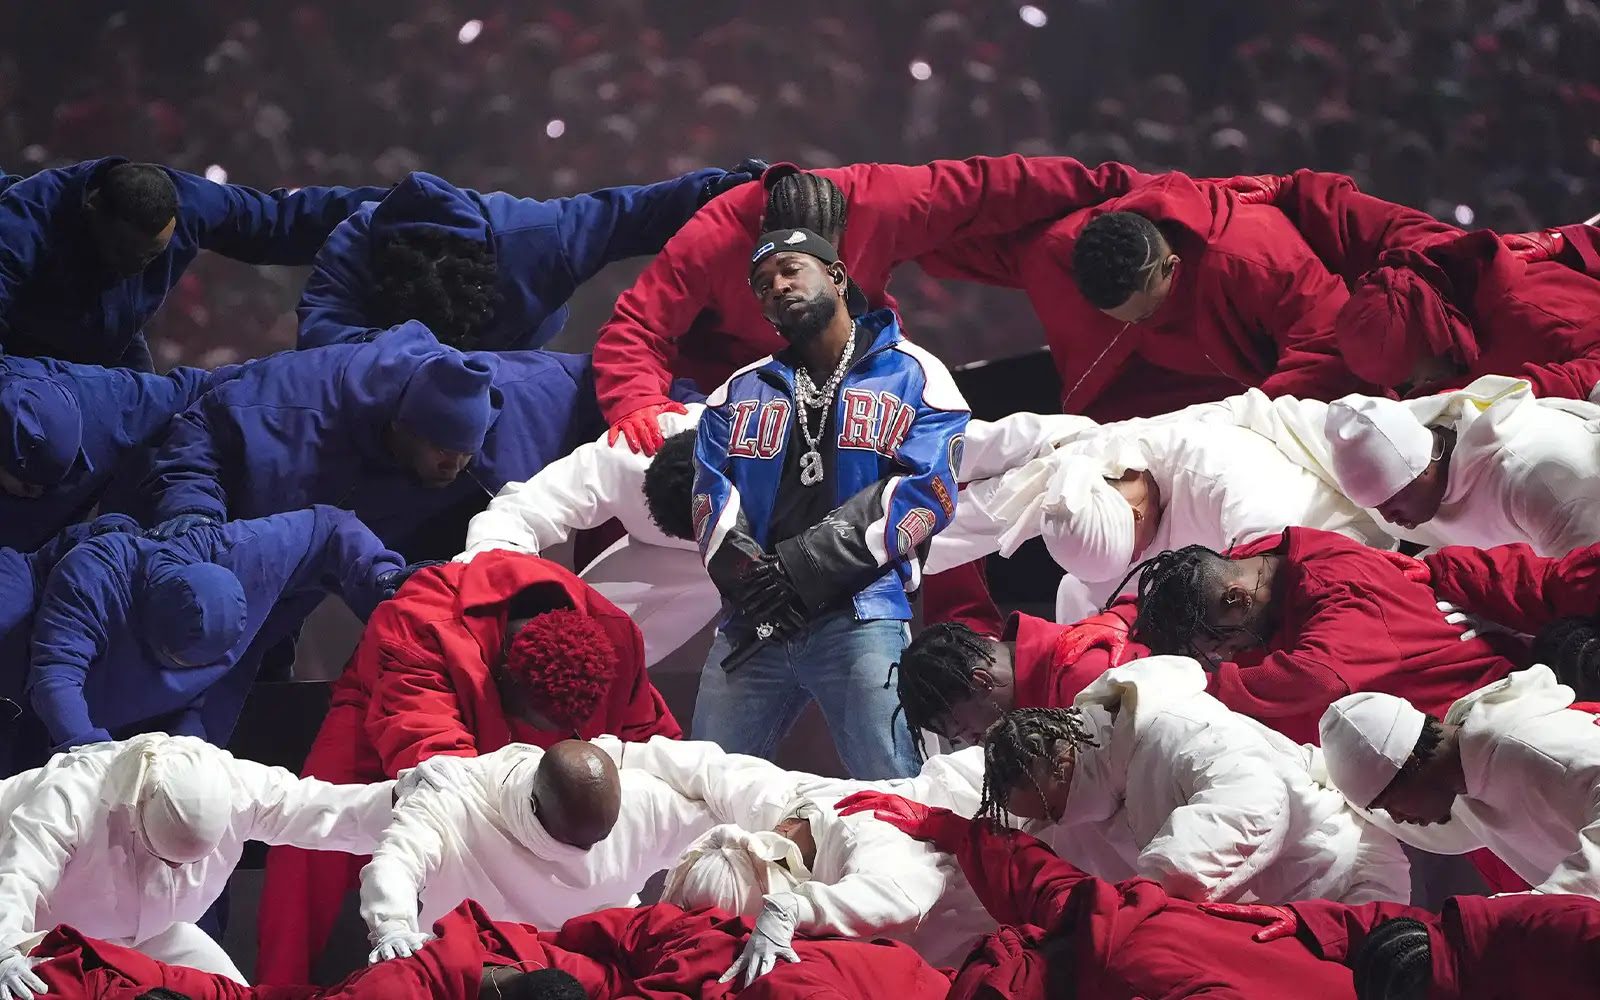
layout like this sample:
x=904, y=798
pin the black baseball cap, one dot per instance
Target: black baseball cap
x=807, y=242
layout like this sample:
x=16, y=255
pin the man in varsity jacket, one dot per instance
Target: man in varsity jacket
x=822, y=473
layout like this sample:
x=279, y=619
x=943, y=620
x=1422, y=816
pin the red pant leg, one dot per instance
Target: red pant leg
x=961, y=595
x=302, y=891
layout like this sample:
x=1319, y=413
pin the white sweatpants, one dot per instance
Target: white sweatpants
x=665, y=591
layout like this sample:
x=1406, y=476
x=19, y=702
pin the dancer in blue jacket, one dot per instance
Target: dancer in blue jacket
x=399, y=430
x=76, y=436
x=133, y=634
x=487, y=271
x=822, y=473
x=88, y=252
x=22, y=579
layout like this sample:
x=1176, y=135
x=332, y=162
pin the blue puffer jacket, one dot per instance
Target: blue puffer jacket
x=93, y=666
x=899, y=423
x=59, y=300
x=307, y=427
x=544, y=249
x=96, y=423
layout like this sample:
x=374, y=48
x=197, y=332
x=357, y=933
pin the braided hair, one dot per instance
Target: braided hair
x=1012, y=745
x=1571, y=647
x=1174, y=598
x=1395, y=962
x=935, y=672
x=804, y=200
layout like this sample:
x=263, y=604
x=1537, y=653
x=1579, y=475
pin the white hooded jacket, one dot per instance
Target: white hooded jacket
x=481, y=840
x=1210, y=803
x=72, y=851
x=1532, y=767
x=868, y=878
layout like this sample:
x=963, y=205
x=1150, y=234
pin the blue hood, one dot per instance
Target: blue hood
x=41, y=430
x=375, y=382
x=423, y=202
x=194, y=613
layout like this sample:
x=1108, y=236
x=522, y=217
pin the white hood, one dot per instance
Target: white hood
x=1511, y=700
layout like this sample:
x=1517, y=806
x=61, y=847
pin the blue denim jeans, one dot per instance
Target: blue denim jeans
x=839, y=661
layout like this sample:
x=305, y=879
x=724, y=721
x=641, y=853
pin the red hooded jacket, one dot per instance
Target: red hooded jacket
x=1474, y=301
x=661, y=952
x=428, y=663
x=1066, y=934
x=692, y=314
x=1250, y=302
x=1350, y=620
x=1522, y=947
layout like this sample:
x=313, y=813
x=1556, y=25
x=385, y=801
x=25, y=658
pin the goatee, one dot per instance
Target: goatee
x=806, y=322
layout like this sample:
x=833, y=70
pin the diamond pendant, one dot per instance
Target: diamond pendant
x=810, y=468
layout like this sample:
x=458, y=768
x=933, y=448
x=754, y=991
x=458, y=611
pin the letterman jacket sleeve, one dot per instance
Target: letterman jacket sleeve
x=720, y=527
x=890, y=522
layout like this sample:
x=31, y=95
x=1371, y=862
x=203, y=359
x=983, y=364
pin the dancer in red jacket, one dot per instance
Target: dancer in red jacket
x=466, y=659
x=1178, y=292
x=1297, y=621
x=1064, y=933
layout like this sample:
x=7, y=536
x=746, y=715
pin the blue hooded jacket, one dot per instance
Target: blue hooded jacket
x=544, y=249
x=131, y=630
x=22, y=580
x=58, y=299
x=94, y=424
x=305, y=427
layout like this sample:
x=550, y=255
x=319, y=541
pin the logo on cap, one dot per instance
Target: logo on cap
x=757, y=255
x=795, y=237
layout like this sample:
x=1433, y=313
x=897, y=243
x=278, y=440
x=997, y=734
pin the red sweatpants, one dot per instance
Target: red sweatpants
x=302, y=891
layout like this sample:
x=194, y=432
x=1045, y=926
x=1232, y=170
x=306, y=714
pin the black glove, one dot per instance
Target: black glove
x=767, y=589
x=727, y=567
x=389, y=583
x=743, y=172
x=179, y=526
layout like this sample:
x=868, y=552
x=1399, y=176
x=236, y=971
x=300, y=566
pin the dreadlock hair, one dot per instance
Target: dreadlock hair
x=1174, y=597
x=1021, y=737
x=446, y=281
x=1571, y=647
x=935, y=672
x=669, y=485
x=1395, y=962
x=140, y=195
x=802, y=200
x=1112, y=256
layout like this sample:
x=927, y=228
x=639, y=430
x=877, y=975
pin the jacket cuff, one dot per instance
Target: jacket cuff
x=815, y=587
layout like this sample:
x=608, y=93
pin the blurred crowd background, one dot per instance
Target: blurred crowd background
x=1483, y=112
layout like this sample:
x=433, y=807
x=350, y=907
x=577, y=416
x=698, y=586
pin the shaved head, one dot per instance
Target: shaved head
x=577, y=794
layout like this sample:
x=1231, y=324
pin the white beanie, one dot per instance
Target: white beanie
x=185, y=804
x=732, y=869
x=1366, y=739
x=1379, y=447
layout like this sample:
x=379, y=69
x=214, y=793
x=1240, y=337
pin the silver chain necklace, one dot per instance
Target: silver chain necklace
x=807, y=394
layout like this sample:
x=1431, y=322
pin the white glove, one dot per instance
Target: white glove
x=17, y=979
x=440, y=773
x=770, y=940
x=1453, y=615
x=398, y=944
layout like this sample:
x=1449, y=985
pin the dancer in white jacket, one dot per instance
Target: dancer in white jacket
x=861, y=879
x=655, y=574
x=1493, y=466
x=1148, y=776
x=1512, y=767
x=132, y=842
x=535, y=836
